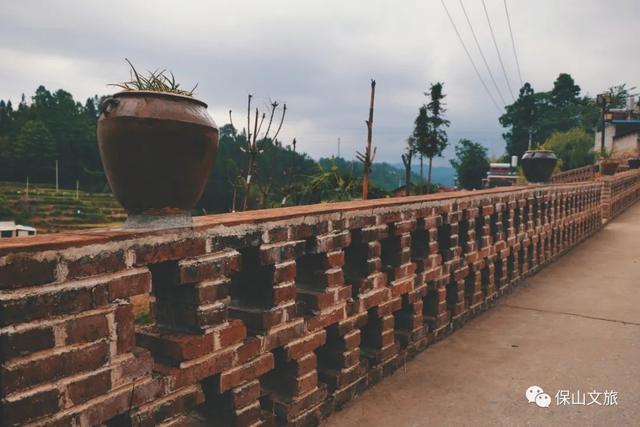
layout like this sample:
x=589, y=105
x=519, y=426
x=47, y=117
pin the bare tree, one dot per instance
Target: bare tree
x=255, y=145
x=406, y=160
x=368, y=156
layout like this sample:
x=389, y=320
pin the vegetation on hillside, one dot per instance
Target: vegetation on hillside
x=51, y=211
x=53, y=126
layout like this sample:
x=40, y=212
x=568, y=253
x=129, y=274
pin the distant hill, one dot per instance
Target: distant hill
x=49, y=211
x=439, y=174
x=384, y=175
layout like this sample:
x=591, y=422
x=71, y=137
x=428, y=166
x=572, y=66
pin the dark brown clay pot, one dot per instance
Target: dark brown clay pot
x=538, y=165
x=608, y=166
x=634, y=163
x=157, y=150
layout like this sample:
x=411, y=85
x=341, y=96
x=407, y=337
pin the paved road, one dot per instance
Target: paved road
x=573, y=326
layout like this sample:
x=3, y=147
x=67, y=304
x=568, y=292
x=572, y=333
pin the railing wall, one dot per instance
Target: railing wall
x=585, y=173
x=619, y=191
x=265, y=317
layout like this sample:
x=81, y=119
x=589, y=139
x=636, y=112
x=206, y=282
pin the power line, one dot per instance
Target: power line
x=513, y=43
x=470, y=58
x=486, y=64
x=493, y=36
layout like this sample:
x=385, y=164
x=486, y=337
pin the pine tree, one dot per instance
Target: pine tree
x=429, y=133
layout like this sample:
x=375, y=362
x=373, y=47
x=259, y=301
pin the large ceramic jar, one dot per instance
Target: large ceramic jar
x=157, y=150
x=538, y=165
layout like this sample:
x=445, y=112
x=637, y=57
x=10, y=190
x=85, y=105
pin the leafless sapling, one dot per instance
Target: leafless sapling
x=369, y=155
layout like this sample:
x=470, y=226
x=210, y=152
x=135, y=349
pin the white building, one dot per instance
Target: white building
x=621, y=133
x=10, y=229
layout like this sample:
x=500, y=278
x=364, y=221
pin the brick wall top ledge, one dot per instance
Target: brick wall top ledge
x=245, y=222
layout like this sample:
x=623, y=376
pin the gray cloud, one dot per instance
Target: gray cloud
x=318, y=57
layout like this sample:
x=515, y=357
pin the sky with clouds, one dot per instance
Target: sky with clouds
x=319, y=57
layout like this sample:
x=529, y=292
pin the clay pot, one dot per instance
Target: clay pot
x=609, y=166
x=634, y=163
x=538, y=165
x=157, y=150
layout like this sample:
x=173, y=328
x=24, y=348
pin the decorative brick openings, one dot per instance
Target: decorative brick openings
x=619, y=191
x=273, y=317
x=585, y=173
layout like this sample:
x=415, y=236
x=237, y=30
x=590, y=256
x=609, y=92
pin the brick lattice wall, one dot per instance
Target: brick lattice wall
x=268, y=317
x=585, y=173
x=619, y=192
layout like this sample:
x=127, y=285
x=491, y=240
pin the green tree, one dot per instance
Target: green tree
x=471, y=164
x=34, y=149
x=536, y=116
x=565, y=91
x=519, y=117
x=574, y=148
x=406, y=161
x=429, y=132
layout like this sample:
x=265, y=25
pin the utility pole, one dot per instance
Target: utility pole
x=529, y=147
x=602, y=99
x=338, y=146
x=56, y=176
x=27, y=187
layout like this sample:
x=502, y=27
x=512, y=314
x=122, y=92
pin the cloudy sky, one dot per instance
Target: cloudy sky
x=318, y=57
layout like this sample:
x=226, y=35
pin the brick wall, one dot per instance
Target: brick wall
x=619, y=191
x=585, y=173
x=267, y=317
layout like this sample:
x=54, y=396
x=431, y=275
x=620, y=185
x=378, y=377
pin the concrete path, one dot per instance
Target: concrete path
x=574, y=326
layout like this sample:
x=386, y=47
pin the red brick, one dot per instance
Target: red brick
x=209, y=267
x=180, y=402
x=26, y=270
x=89, y=386
x=302, y=231
x=67, y=298
x=16, y=411
x=174, y=346
x=14, y=344
x=280, y=252
x=249, y=349
x=297, y=349
x=91, y=265
x=134, y=282
x=247, y=372
x=303, y=384
x=20, y=375
x=304, y=365
x=284, y=272
x=125, y=328
x=245, y=395
x=285, y=292
x=196, y=370
x=87, y=328
x=152, y=253
x=231, y=333
x=334, y=259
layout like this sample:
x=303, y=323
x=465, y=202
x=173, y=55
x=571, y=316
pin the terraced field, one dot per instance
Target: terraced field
x=52, y=212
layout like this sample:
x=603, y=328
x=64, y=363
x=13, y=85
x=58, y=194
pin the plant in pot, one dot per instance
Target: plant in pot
x=538, y=164
x=158, y=145
x=608, y=165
